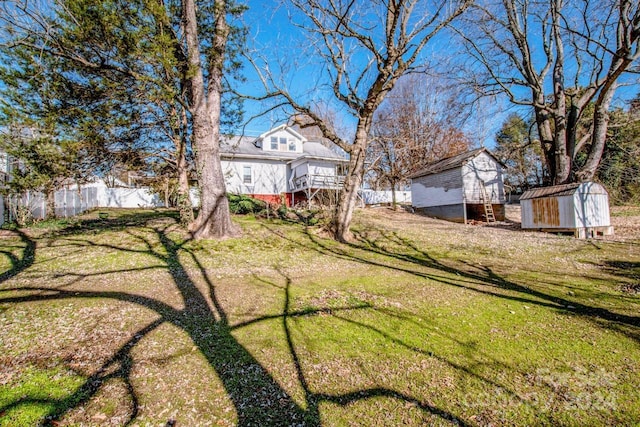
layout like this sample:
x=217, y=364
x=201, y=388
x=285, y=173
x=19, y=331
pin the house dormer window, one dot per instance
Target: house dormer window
x=292, y=145
x=283, y=144
x=274, y=143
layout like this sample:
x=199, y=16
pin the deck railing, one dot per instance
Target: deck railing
x=307, y=181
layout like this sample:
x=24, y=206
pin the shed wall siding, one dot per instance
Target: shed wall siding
x=548, y=213
x=594, y=212
x=483, y=168
x=440, y=189
x=566, y=212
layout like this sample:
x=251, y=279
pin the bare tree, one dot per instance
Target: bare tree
x=306, y=127
x=417, y=124
x=563, y=59
x=364, y=47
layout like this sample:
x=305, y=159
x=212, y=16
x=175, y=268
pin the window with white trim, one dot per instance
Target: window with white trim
x=246, y=175
x=292, y=145
x=283, y=144
x=274, y=142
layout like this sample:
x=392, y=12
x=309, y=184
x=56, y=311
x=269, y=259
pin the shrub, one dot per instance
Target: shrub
x=242, y=205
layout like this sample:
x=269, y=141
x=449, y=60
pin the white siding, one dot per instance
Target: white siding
x=594, y=212
x=526, y=214
x=439, y=189
x=483, y=168
x=322, y=168
x=301, y=169
x=267, y=177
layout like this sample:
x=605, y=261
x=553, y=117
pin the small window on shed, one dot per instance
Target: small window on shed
x=246, y=175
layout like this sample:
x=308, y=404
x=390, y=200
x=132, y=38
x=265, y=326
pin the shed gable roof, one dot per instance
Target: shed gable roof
x=564, y=190
x=453, y=162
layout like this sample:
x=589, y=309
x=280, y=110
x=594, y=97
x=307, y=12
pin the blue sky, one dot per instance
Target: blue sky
x=272, y=34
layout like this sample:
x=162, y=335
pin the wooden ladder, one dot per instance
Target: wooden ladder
x=488, y=207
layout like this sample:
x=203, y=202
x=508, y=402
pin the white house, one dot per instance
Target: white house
x=280, y=166
x=460, y=188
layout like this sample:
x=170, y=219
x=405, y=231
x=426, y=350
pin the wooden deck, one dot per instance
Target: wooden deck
x=318, y=182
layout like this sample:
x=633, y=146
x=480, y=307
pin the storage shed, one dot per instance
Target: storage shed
x=461, y=188
x=580, y=208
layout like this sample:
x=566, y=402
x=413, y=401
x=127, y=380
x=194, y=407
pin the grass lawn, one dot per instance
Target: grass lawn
x=125, y=321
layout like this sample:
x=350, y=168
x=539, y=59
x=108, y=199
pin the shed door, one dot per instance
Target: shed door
x=546, y=211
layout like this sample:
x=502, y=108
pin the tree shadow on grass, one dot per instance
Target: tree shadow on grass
x=114, y=220
x=19, y=263
x=314, y=399
x=626, y=324
x=257, y=397
x=392, y=251
x=628, y=270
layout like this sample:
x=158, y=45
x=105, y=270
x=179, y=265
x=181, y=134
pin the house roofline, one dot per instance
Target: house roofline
x=285, y=127
x=329, y=159
x=225, y=156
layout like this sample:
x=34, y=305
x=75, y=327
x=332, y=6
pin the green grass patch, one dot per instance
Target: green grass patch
x=36, y=392
x=124, y=319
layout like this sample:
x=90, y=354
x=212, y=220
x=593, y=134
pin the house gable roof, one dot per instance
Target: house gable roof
x=245, y=147
x=453, y=162
x=282, y=127
x=316, y=150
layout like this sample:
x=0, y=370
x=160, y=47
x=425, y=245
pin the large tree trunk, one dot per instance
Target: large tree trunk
x=394, y=201
x=214, y=218
x=598, y=138
x=353, y=181
x=547, y=142
x=562, y=159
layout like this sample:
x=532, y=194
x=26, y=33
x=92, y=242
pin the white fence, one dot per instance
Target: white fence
x=127, y=198
x=372, y=197
x=70, y=202
x=67, y=203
